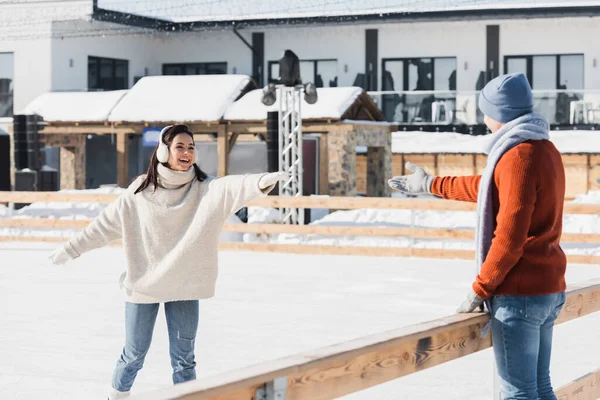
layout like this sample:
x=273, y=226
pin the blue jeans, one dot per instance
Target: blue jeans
x=182, y=323
x=522, y=337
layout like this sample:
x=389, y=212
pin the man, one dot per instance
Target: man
x=521, y=265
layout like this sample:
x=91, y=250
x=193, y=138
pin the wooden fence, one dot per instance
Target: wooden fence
x=356, y=365
x=337, y=203
x=359, y=364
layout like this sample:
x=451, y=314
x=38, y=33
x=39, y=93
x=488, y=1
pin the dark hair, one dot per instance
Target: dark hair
x=152, y=173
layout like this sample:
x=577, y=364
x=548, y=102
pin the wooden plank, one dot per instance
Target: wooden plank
x=427, y=161
x=582, y=299
x=355, y=365
x=55, y=197
x=222, y=151
x=322, y=230
x=367, y=251
x=455, y=164
x=341, y=203
x=576, y=173
x=585, y=388
x=361, y=174
x=349, y=203
x=43, y=223
x=86, y=130
x=122, y=160
x=347, y=367
x=323, y=166
x=232, y=140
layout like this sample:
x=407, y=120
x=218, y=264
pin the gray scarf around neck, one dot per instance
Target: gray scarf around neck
x=532, y=126
x=170, y=179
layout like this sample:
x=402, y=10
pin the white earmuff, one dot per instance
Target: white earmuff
x=162, y=153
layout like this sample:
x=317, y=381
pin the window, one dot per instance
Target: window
x=549, y=72
x=418, y=74
x=107, y=73
x=6, y=84
x=556, y=78
x=210, y=68
x=323, y=73
x=409, y=74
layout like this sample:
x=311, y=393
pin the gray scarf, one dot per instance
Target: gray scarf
x=532, y=126
x=170, y=179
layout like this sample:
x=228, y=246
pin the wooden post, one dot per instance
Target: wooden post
x=222, y=150
x=323, y=165
x=72, y=163
x=122, y=160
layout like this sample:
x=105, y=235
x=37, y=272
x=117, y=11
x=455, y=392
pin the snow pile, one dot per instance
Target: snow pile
x=592, y=197
x=261, y=215
x=392, y=218
x=180, y=98
x=448, y=142
x=332, y=104
x=75, y=106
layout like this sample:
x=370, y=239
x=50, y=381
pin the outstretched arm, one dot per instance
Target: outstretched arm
x=462, y=188
x=241, y=189
x=104, y=229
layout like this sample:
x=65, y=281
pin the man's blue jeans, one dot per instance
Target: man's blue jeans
x=182, y=323
x=522, y=337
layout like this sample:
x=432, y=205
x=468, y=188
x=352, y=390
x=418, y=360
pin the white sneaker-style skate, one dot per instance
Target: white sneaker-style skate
x=114, y=394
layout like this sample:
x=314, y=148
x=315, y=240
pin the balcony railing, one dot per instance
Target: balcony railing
x=561, y=107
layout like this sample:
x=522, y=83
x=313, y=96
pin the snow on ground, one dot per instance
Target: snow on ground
x=62, y=326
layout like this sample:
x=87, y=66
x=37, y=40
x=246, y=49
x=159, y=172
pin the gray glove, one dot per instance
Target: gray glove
x=418, y=183
x=60, y=256
x=470, y=303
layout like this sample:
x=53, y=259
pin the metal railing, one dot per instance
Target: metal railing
x=561, y=107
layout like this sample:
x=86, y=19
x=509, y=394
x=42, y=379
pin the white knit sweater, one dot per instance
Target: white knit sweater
x=171, y=235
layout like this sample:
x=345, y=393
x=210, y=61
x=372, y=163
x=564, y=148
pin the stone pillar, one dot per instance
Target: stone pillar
x=72, y=163
x=341, y=149
x=379, y=170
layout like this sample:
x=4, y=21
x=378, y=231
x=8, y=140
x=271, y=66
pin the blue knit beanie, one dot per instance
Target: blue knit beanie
x=506, y=97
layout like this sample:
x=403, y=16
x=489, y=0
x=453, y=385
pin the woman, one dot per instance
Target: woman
x=169, y=220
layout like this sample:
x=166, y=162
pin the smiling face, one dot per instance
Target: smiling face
x=181, y=152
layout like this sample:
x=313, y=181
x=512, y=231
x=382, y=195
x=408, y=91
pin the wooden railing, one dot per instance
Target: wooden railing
x=356, y=365
x=338, y=203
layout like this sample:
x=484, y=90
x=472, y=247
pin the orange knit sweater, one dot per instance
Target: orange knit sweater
x=528, y=195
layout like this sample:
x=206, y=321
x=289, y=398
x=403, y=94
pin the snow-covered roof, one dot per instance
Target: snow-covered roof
x=332, y=104
x=237, y=10
x=75, y=106
x=442, y=142
x=180, y=98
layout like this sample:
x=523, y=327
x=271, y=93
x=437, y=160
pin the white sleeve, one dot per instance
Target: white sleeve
x=238, y=190
x=104, y=229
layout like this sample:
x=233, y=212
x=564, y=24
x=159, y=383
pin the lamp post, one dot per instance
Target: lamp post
x=289, y=90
